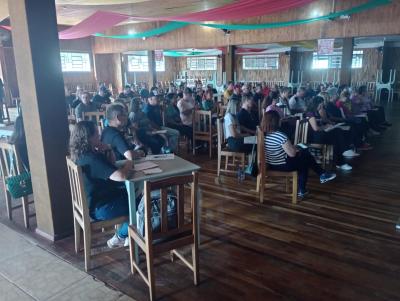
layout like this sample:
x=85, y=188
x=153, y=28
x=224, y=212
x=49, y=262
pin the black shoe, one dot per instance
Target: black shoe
x=387, y=123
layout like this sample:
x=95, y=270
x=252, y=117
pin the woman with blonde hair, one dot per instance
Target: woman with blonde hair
x=233, y=135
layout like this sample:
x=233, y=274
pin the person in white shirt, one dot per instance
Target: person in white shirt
x=232, y=131
x=297, y=104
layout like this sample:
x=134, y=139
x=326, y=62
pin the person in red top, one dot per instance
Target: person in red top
x=344, y=103
x=265, y=89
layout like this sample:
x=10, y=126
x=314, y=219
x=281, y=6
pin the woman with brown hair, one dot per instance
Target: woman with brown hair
x=282, y=155
x=106, y=195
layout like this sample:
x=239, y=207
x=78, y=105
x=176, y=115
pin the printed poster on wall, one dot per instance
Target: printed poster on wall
x=325, y=46
x=159, y=55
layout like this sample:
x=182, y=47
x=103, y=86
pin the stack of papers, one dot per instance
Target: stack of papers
x=152, y=171
x=144, y=165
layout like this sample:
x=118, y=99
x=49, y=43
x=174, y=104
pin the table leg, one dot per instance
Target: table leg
x=131, y=189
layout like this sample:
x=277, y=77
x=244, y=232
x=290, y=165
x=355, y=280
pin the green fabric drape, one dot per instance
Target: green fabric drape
x=353, y=10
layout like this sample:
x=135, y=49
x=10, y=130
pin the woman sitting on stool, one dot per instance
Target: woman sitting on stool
x=281, y=155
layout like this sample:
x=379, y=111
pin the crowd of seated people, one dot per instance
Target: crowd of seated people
x=338, y=116
x=140, y=120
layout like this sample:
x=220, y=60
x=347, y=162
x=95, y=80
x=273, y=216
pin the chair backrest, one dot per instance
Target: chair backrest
x=221, y=109
x=97, y=117
x=261, y=164
x=10, y=161
x=301, y=133
x=79, y=201
x=202, y=122
x=220, y=134
x=165, y=186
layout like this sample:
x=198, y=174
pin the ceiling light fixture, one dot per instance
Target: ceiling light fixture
x=226, y=32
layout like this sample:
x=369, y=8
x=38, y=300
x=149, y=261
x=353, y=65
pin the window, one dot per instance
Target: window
x=202, y=63
x=75, y=62
x=334, y=60
x=357, y=59
x=140, y=63
x=261, y=62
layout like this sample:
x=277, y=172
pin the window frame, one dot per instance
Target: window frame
x=72, y=53
x=260, y=61
x=146, y=58
x=202, y=63
x=356, y=62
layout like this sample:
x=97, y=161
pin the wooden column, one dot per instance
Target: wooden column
x=347, y=57
x=152, y=79
x=295, y=64
x=119, y=71
x=37, y=57
x=229, y=63
x=389, y=57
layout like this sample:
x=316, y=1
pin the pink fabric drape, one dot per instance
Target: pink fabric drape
x=98, y=22
x=240, y=9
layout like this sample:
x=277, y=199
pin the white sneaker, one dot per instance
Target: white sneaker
x=373, y=133
x=350, y=154
x=115, y=242
x=126, y=243
x=344, y=167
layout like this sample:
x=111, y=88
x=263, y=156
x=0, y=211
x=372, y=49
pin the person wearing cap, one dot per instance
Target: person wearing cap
x=127, y=93
x=101, y=98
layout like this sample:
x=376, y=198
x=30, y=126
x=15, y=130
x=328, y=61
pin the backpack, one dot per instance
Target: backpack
x=156, y=213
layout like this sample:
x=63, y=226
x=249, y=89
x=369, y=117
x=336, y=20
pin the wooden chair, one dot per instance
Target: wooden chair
x=9, y=155
x=203, y=129
x=264, y=172
x=97, y=117
x=301, y=136
x=167, y=240
x=236, y=157
x=81, y=213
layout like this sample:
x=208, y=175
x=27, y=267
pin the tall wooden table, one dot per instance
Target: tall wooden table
x=170, y=168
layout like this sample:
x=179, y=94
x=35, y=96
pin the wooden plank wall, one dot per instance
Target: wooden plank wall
x=372, y=61
x=181, y=63
x=71, y=79
x=167, y=76
x=85, y=79
x=380, y=21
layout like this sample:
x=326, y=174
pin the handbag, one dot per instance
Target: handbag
x=18, y=185
x=252, y=169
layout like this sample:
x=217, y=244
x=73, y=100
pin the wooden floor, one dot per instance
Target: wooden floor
x=338, y=244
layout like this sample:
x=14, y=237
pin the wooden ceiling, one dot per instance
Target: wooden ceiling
x=71, y=12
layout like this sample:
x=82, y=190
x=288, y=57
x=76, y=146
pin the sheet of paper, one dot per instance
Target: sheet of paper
x=250, y=140
x=152, y=171
x=160, y=157
x=144, y=165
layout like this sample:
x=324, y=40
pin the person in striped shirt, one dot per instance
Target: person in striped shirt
x=281, y=155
